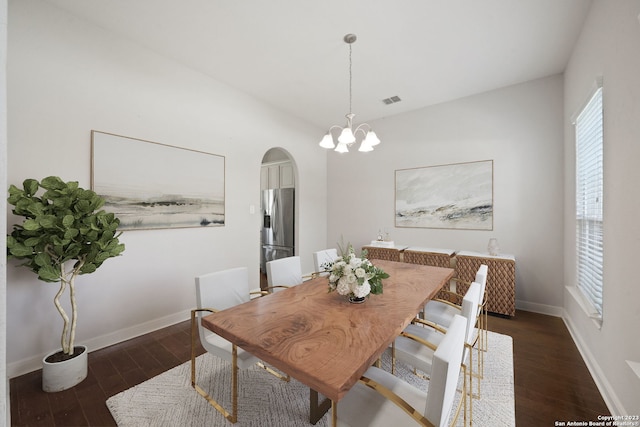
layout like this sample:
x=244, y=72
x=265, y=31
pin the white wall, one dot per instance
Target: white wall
x=609, y=46
x=520, y=129
x=5, y=414
x=67, y=77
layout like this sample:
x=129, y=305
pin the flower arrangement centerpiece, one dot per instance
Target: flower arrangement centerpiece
x=355, y=277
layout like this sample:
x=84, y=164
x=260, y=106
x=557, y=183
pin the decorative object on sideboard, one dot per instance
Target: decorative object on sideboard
x=348, y=135
x=492, y=247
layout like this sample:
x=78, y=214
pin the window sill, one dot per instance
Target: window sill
x=586, y=306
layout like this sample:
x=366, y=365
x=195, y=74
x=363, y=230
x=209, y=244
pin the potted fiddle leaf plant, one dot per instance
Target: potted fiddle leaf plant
x=64, y=234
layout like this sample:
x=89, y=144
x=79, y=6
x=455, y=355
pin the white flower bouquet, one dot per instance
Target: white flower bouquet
x=353, y=276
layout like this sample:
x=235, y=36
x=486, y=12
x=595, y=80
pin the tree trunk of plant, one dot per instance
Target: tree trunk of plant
x=63, y=314
x=74, y=311
x=69, y=327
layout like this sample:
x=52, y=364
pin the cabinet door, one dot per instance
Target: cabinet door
x=264, y=178
x=287, y=179
x=274, y=176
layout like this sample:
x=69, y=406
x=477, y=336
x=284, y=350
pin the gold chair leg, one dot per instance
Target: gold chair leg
x=393, y=357
x=233, y=416
x=285, y=378
x=463, y=400
x=466, y=421
x=476, y=374
x=334, y=413
x=485, y=325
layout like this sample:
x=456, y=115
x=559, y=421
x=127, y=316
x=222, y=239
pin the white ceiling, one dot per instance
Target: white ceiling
x=291, y=53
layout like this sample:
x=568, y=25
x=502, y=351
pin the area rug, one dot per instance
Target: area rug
x=168, y=400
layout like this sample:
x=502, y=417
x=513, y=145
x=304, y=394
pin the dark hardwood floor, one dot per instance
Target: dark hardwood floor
x=552, y=382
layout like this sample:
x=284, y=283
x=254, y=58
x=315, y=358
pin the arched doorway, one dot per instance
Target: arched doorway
x=278, y=208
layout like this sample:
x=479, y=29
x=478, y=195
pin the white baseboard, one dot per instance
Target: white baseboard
x=34, y=363
x=534, y=307
x=608, y=394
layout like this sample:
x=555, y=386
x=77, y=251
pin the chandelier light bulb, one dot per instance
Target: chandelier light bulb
x=342, y=148
x=372, y=139
x=364, y=147
x=346, y=137
x=327, y=141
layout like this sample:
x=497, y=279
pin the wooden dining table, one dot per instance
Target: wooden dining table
x=319, y=337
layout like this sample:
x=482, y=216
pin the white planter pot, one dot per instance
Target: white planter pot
x=58, y=376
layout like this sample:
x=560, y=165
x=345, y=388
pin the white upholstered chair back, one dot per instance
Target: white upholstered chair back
x=321, y=258
x=470, y=308
x=220, y=290
x=481, y=278
x=445, y=373
x=284, y=272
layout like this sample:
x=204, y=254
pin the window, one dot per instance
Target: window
x=589, y=201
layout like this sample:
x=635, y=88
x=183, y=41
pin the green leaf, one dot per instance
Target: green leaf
x=59, y=242
x=83, y=206
x=71, y=233
x=15, y=194
x=60, y=202
x=106, y=236
x=34, y=208
x=68, y=221
x=31, y=224
x=30, y=186
x=48, y=273
x=32, y=241
x=102, y=257
x=88, y=268
x=117, y=250
x=42, y=259
x=20, y=250
x=52, y=183
x=47, y=221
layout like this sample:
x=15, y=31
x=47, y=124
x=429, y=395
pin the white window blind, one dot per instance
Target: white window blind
x=589, y=201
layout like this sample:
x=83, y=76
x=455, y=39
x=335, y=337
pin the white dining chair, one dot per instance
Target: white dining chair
x=283, y=273
x=322, y=259
x=380, y=399
x=215, y=292
x=418, y=342
x=441, y=312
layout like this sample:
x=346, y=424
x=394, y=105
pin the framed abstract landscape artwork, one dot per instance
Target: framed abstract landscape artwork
x=454, y=196
x=148, y=185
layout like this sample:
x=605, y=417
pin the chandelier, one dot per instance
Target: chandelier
x=348, y=135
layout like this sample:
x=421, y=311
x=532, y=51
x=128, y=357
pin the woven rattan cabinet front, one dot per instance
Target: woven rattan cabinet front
x=387, y=254
x=437, y=258
x=501, y=280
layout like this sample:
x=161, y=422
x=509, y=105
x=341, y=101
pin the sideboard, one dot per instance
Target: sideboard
x=501, y=280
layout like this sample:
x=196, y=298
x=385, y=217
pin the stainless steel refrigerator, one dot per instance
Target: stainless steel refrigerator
x=277, y=225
